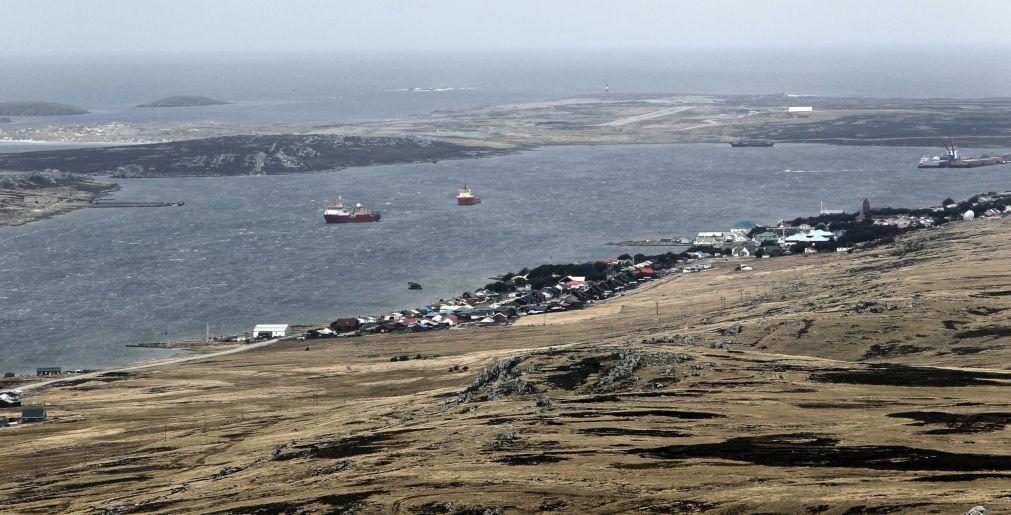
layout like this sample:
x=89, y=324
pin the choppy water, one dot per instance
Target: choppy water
x=246, y=250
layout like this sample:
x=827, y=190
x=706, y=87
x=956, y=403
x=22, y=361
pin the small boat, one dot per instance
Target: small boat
x=339, y=213
x=413, y=286
x=466, y=197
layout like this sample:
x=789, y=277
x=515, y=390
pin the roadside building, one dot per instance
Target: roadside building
x=33, y=414
x=345, y=325
x=48, y=371
x=271, y=331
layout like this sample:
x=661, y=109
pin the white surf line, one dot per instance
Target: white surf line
x=647, y=116
x=174, y=361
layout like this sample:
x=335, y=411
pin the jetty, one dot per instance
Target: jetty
x=659, y=242
x=100, y=203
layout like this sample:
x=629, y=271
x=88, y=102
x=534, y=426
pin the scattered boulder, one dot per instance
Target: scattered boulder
x=868, y=306
x=342, y=466
x=227, y=471
x=733, y=330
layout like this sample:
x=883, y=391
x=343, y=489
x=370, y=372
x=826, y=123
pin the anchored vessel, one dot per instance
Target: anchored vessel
x=952, y=159
x=339, y=213
x=467, y=197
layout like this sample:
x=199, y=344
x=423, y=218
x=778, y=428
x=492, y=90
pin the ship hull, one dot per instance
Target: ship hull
x=964, y=163
x=740, y=145
x=351, y=219
x=468, y=201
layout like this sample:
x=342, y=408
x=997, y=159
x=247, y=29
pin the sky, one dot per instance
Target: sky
x=76, y=27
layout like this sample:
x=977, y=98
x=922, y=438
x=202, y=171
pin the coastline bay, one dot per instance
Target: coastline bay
x=246, y=250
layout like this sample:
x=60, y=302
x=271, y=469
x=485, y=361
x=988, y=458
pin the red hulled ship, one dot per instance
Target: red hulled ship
x=467, y=197
x=339, y=214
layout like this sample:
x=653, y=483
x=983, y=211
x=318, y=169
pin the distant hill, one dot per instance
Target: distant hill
x=242, y=155
x=38, y=109
x=184, y=101
x=4, y=119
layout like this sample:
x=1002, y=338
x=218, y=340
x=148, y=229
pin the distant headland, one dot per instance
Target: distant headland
x=4, y=119
x=38, y=109
x=184, y=101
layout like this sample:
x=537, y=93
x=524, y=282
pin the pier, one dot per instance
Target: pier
x=134, y=204
x=660, y=242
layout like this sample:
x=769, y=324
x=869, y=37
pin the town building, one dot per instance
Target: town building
x=33, y=414
x=271, y=331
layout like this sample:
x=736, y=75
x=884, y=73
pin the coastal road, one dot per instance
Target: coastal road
x=173, y=361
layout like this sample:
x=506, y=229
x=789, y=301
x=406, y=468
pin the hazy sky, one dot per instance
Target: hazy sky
x=174, y=26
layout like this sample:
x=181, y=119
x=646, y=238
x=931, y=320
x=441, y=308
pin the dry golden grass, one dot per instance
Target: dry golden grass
x=796, y=413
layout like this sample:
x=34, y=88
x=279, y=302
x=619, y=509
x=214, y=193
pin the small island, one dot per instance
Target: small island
x=4, y=119
x=38, y=109
x=184, y=101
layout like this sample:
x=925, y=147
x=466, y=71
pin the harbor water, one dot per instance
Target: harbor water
x=245, y=250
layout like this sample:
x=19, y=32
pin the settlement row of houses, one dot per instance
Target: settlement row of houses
x=484, y=307
x=782, y=238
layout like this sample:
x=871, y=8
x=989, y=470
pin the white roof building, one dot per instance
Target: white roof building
x=275, y=330
x=813, y=236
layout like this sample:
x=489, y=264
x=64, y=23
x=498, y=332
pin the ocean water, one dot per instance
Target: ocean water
x=247, y=250
x=367, y=86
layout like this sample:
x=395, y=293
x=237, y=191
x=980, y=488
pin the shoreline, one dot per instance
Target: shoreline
x=59, y=199
x=683, y=250
x=804, y=371
x=665, y=272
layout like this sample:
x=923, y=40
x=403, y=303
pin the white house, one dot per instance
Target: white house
x=813, y=236
x=272, y=330
x=799, y=109
x=738, y=235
